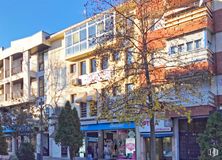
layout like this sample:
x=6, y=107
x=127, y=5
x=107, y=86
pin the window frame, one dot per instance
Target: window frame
x=81, y=68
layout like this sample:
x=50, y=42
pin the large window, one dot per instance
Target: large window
x=189, y=46
x=129, y=56
x=83, y=110
x=83, y=67
x=73, y=68
x=41, y=61
x=93, y=65
x=41, y=86
x=129, y=87
x=86, y=36
x=105, y=62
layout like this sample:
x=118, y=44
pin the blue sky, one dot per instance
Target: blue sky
x=21, y=18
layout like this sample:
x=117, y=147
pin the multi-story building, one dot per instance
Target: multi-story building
x=19, y=80
x=191, y=30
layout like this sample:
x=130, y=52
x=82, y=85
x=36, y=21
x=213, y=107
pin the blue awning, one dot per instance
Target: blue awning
x=158, y=135
x=108, y=126
x=7, y=130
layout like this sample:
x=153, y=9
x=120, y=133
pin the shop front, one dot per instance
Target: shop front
x=163, y=136
x=115, y=141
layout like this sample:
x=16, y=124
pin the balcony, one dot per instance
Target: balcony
x=16, y=94
x=95, y=77
x=17, y=69
x=188, y=19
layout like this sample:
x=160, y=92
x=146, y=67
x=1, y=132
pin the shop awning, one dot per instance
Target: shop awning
x=158, y=135
x=92, y=95
x=81, y=97
x=108, y=126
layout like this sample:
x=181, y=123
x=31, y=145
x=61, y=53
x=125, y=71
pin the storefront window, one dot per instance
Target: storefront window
x=163, y=148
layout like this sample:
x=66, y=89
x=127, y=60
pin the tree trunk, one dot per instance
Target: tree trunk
x=152, y=138
x=71, y=153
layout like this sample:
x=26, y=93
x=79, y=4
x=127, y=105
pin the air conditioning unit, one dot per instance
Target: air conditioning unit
x=76, y=82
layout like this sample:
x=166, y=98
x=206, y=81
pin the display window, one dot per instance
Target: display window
x=163, y=148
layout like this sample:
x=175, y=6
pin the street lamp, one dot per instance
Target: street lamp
x=42, y=108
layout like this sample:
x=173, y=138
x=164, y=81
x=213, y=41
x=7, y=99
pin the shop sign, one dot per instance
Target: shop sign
x=160, y=125
x=130, y=145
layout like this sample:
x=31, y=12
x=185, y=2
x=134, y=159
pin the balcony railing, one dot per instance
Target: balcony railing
x=95, y=77
x=17, y=94
x=16, y=69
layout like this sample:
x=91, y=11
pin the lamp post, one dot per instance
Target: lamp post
x=53, y=117
x=41, y=103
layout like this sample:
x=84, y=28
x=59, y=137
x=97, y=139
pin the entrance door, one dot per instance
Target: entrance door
x=188, y=133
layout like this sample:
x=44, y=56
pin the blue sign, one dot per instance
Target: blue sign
x=107, y=126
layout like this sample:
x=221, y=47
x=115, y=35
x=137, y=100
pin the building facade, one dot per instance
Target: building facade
x=65, y=67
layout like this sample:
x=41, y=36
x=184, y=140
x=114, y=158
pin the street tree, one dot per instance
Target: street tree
x=211, y=138
x=144, y=79
x=3, y=146
x=68, y=132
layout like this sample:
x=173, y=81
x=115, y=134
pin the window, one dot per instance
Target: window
x=64, y=152
x=173, y=50
x=41, y=61
x=76, y=37
x=189, y=46
x=129, y=56
x=73, y=97
x=105, y=62
x=73, y=68
x=83, y=35
x=100, y=27
x=86, y=36
x=116, y=91
x=93, y=65
x=129, y=87
x=83, y=110
x=116, y=56
x=92, y=31
x=41, y=86
x=181, y=48
x=93, y=108
x=83, y=68
x=197, y=44
x=68, y=40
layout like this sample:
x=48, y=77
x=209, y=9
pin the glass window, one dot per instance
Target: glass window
x=181, y=48
x=83, y=45
x=92, y=31
x=41, y=86
x=105, y=62
x=197, y=44
x=83, y=35
x=129, y=87
x=64, y=151
x=76, y=37
x=83, y=110
x=92, y=42
x=173, y=50
x=116, y=56
x=93, y=65
x=73, y=68
x=100, y=27
x=109, y=24
x=73, y=97
x=116, y=90
x=41, y=61
x=83, y=67
x=93, y=108
x=68, y=40
x=189, y=46
x=129, y=56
